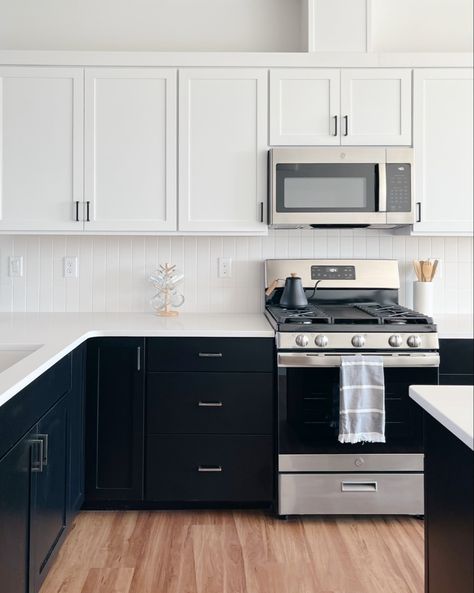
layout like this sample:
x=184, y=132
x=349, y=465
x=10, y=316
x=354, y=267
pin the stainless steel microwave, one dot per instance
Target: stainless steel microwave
x=341, y=187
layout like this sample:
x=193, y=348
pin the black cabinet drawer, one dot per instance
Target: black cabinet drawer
x=209, y=403
x=456, y=357
x=210, y=354
x=209, y=468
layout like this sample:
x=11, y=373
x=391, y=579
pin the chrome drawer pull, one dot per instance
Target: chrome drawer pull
x=209, y=468
x=359, y=486
x=210, y=354
x=210, y=404
x=38, y=464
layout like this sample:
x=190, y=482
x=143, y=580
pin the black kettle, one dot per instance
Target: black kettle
x=293, y=296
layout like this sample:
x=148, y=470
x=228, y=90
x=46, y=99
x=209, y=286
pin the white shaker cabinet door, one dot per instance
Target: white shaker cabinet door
x=304, y=107
x=443, y=145
x=376, y=106
x=222, y=150
x=41, y=148
x=130, y=149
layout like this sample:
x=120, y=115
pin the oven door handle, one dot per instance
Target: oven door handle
x=309, y=359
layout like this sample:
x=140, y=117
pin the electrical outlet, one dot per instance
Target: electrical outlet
x=225, y=267
x=71, y=269
x=15, y=266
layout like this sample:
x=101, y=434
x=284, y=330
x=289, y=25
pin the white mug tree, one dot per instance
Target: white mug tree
x=165, y=280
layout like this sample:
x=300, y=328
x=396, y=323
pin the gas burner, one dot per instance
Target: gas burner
x=394, y=314
x=311, y=314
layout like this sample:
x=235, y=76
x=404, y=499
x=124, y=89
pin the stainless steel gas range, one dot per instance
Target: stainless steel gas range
x=353, y=308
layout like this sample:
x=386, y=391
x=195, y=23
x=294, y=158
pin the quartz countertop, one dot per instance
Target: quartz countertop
x=455, y=326
x=451, y=405
x=50, y=336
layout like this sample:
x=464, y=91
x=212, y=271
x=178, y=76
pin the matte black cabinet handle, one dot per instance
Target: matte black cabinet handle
x=261, y=212
x=418, y=212
x=210, y=354
x=88, y=208
x=346, y=125
x=209, y=468
x=336, y=131
x=77, y=210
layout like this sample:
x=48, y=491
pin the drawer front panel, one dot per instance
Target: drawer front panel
x=209, y=403
x=351, y=494
x=456, y=357
x=349, y=462
x=210, y=354
x=209, y=469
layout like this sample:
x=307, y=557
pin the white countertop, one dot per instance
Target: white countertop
x=57, y=334
x=456, y=326
x=451, y=405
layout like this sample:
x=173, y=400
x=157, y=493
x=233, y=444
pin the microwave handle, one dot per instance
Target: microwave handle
x=382, y=187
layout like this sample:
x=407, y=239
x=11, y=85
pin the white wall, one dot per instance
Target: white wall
x=148, y=25
x=114, y=270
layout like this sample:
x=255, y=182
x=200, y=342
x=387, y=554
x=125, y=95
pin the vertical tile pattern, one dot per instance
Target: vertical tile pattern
x=113, y=271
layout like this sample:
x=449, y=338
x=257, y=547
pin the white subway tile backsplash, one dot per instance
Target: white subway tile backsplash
x=113, y=271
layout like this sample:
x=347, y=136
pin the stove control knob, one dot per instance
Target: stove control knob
x=395, y=341
x=414, y=341
x=358, y=341
x=321, y=341
x=302, y=340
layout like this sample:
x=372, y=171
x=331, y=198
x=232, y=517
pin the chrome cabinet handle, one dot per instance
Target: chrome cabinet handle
x=139, y=358
x=44, y=448
x=37, y=464
x=210, y=355
x=77, y=210
x=210, y=404
x=359, y=486
x=209, y=468
x=346, y=125
x=336, y=131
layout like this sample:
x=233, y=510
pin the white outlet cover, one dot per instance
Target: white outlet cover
x=71, y=267
x=15, y=266
x=225, y=267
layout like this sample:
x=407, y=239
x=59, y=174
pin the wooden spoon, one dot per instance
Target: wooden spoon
x=417, y=266
x=433, y=269
x=426, y=266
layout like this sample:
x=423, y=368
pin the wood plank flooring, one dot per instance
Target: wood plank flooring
x=237, y=552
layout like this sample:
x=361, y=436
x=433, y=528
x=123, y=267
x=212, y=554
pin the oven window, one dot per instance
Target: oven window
x=326, y=188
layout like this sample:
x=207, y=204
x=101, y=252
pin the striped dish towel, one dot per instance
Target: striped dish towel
x=362, y=400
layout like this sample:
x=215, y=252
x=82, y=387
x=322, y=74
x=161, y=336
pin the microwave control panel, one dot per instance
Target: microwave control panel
x=398, y=187
x=333, y=273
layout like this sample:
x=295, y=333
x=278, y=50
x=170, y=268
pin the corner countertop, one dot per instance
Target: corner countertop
x=50, y=336
x=451, y=405
x=455, y=326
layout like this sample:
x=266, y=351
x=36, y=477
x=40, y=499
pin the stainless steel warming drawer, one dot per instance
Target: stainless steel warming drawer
x=350, y=494
x=341, y=462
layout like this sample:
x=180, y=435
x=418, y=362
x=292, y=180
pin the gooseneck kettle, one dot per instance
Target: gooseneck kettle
x=293, y=296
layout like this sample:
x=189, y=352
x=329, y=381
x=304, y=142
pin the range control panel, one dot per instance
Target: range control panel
x=333, y=273
x=398, y=187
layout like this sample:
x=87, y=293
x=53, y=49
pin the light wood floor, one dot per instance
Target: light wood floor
x=237, y=552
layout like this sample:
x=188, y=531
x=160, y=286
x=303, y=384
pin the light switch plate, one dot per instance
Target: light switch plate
x=15, y=266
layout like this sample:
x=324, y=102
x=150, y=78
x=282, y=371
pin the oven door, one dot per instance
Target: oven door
x=308, y=408
x=330, y=190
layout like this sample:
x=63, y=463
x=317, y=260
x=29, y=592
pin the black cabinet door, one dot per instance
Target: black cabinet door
x=76, y=432
x=15, y=499
x=50, y=491
x=114, y=419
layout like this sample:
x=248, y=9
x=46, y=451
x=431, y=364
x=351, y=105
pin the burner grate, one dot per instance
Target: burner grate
x=394, y=314
x=310, y=314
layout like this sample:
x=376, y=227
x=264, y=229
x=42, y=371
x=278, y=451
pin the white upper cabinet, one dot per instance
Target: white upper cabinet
x=443, y=141
x=361, y=107
x=41, y=148
x=304, y=106
x=130, y=147
x=222, y=150
x=376, y=106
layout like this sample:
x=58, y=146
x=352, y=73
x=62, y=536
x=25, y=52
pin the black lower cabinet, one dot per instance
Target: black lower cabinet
x=114, y=421
x=50, y=489
x=457, y=362
x=15, y=502
x=449, y=520
x=209, y=468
